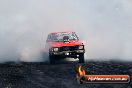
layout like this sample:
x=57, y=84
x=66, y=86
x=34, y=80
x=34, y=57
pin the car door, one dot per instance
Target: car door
x=47, y=45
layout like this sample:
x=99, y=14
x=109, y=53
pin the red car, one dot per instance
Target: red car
x=64, y=44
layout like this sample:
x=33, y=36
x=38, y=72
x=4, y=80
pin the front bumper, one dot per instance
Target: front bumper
x=68, y=53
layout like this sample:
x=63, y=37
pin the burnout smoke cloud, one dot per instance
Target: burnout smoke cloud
x=105, y=26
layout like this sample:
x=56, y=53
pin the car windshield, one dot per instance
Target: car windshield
x=60, y=36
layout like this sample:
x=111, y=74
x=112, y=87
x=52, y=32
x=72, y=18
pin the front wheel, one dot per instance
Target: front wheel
x=81, y=58
x=52, y=59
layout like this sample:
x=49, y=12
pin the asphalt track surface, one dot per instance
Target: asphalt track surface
x=60, y=75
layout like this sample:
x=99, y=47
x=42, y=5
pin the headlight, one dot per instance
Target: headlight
x=55, y=49
x=80, y=47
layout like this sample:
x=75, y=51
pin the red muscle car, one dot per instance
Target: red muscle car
x=64, y=44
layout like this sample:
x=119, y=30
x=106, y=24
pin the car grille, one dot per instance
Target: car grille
x=69, y=48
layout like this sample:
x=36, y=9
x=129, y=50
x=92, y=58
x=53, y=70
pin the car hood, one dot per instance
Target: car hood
x=69, y=43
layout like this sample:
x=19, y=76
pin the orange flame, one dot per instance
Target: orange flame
x=81, y=71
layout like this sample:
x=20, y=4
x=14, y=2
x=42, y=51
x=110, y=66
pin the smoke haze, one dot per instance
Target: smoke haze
x=104, y=25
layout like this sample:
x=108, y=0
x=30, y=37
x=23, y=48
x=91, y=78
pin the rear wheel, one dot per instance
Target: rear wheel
x=81, y=58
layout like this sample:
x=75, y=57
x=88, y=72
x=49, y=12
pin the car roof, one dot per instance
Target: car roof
x=62, y=32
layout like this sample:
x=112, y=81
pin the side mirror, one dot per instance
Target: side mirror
x=48, y=40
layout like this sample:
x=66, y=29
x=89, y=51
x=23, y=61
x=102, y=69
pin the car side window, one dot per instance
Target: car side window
x=49, y=38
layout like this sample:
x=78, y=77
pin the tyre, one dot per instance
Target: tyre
x=81, y=58
x=52, y=59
